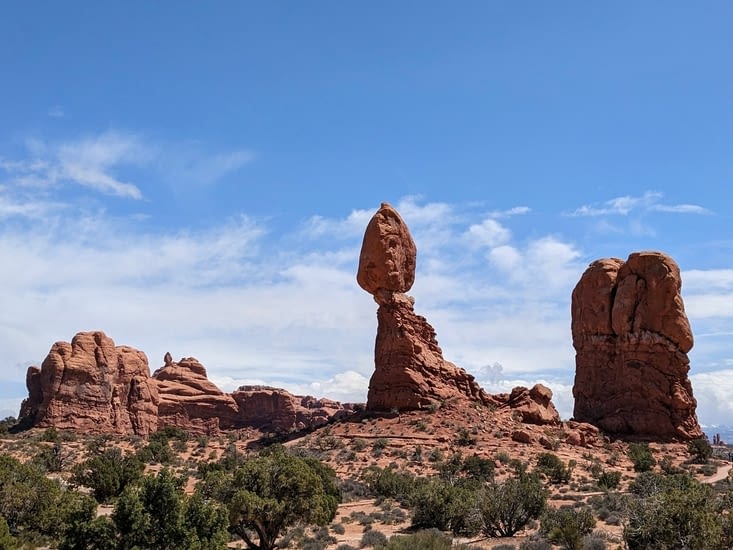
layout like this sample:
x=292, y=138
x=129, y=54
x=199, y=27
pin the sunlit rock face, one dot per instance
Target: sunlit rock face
x=631, y=337
x=410, y=372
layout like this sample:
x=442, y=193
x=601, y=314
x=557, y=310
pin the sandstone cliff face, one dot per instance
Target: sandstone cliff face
x=189, y=400
x=410, y=372
x=631, y=337
x=91, y=385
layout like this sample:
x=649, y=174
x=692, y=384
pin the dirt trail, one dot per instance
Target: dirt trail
x=721, y=474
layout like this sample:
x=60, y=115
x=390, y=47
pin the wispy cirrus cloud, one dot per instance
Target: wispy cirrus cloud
x=650, y=201
x=109, y=163
x=91, y=162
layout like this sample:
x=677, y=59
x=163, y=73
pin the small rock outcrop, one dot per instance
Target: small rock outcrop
x=278, y=410
x=534, y=406
x=91, y=385
x=631, y=337
x=410, y=372
x=189, y=400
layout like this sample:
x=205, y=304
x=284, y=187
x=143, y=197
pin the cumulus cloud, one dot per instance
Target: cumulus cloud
x=489, y=233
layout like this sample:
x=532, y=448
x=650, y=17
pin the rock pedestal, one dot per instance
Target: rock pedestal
x=410, y=372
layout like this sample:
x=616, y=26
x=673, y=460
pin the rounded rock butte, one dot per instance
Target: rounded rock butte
x=631, y=337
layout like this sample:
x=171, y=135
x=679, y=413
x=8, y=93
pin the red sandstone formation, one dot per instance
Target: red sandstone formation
x=631, y=337
x=93, y=386
x=534, y=406
x=278, y=410
x=410, y=372
x=189, y=400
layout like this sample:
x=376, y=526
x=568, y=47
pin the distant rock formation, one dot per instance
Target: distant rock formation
x=278, y=410
x=410, y=372
x=631, y=337
x=93, y=386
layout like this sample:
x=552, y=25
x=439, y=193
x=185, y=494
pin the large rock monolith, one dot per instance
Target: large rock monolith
x=631, y=337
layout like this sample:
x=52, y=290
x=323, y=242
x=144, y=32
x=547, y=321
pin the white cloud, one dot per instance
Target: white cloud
x=489, y=233
x=506, y=257
x=190, y=164
x=712, y=391
x=515, y=211
x=623, y=206
x=99, y=163
x=681, y=208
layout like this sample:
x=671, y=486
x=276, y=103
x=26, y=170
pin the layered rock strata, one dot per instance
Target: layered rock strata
x=189, y=400
x=93, y=386
x=410, y=372
x=631, y=337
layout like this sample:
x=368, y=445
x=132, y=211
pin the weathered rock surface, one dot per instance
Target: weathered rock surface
x=533, y=405
x=91, y=385
x=189, y=400
x=388, y=254
x=279, y=410
x=631, y=337
x=410, y=372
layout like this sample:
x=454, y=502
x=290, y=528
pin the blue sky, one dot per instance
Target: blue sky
x=197, y=178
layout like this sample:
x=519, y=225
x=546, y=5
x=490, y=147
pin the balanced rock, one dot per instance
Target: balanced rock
x=388, y=254
x=189, y=400
x=631, y=337
x=410, y=372
x=93, y=386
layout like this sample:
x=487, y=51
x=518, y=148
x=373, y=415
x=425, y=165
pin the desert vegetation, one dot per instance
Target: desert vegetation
x=177, y=490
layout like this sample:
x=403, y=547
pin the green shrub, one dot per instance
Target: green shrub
x=373, y=539
x=554, y=468
x=431, y=539
x=609, y=479
x=700, y=450
x=641, y=456
x=508, y=507
x=567, y=527
x=108, y=474
x=436, y=503
x=670, y=512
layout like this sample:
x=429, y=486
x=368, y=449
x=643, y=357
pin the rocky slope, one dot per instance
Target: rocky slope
x=631, y=337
